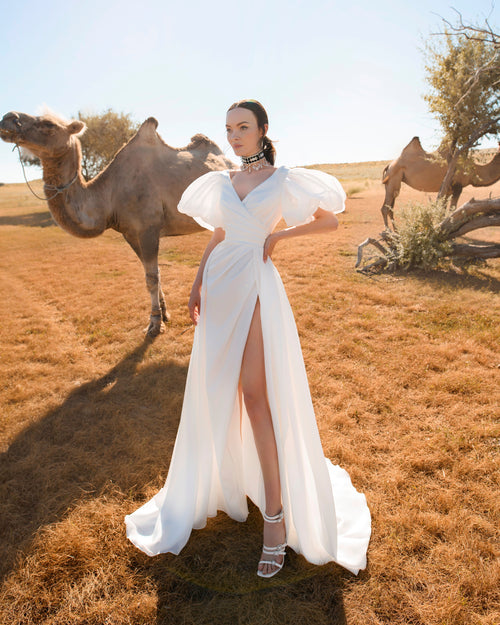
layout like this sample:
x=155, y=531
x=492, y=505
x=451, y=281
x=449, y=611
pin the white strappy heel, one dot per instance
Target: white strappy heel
x=275, y=551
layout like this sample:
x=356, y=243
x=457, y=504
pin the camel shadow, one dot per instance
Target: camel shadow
x=32, y=220
x=106, y=431
x=120, y=429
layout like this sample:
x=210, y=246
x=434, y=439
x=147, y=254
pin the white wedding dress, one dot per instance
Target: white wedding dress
x=215, y=464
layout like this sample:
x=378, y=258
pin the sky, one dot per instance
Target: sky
x=340, y=81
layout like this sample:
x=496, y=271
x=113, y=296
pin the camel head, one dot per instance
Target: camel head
x=45, y=136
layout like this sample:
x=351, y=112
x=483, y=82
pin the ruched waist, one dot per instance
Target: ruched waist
x=251, y=241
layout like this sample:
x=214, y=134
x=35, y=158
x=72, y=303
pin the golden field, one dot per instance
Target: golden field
x=404, y=372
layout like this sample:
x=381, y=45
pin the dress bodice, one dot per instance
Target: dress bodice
x=252, y=219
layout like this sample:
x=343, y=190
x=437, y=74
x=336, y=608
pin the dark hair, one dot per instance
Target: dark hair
x=261, y=115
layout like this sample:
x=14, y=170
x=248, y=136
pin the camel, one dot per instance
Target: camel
x=425, y=171
x=136, y=194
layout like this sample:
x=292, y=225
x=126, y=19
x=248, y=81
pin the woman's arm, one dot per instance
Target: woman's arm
x=194, y=303
x=324, y=221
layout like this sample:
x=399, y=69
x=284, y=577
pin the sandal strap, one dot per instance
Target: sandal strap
x=278, y=550
x=274, y=519
x=272, y=562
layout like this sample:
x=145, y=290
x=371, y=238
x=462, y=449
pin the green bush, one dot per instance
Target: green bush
x=418, y=242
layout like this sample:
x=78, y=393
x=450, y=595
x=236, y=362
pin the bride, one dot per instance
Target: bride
x=247, y=424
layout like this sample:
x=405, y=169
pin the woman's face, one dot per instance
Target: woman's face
x=243, y=132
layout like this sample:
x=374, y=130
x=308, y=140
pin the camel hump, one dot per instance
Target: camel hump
x=199, y=138
x=147, y=130
x=150, y=120
x=414, y=145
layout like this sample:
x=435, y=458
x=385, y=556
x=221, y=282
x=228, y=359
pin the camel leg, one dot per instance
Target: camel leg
x=456, y=192
x=387, y=210
x=134, y=244
x=149, y=241
x=165, y=315
x=392, y=188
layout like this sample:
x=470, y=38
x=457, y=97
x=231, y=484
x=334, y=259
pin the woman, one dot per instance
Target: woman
x=247, y=424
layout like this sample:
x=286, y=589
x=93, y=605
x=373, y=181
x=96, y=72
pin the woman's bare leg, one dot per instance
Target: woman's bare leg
x=253, y=385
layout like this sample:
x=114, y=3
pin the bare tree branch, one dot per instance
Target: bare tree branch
x=464, y=29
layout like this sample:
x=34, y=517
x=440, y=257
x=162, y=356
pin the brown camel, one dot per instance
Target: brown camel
x=136, y=194
x=425, y=171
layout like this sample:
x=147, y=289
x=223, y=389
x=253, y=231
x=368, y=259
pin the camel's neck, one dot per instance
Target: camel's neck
x=77, y=210
x=485, y=175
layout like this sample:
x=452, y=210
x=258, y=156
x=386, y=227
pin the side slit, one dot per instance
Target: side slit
x=240, y=388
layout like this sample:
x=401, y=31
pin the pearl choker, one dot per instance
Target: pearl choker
x=247, y=162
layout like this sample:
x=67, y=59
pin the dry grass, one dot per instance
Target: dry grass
x=404, y=372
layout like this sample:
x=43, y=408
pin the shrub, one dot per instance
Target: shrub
x=418, y=241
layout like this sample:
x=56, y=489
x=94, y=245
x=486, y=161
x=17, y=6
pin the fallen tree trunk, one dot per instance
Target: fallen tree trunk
x=463, y=215
x=484, y=221
x=465, y=250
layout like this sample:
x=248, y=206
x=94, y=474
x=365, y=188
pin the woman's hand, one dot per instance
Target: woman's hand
x=269, y=244
x=194, y=303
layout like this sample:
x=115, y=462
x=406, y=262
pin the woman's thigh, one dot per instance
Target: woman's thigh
x=253, y=375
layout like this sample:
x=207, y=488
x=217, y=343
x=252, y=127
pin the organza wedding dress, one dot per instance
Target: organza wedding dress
x=215, y=464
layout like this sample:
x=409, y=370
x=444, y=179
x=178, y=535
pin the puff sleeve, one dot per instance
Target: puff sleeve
x=201, y=200
x=304, y=190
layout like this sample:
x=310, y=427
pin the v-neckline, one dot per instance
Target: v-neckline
x=251, y=190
